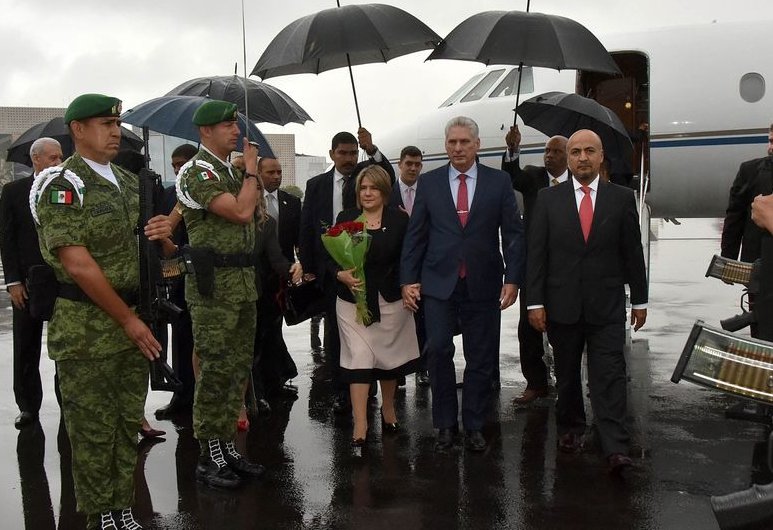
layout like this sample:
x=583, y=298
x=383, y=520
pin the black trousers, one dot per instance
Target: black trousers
x=606, y=379
x=531, y=350
x=182, y=356
x=272, y=363
x=480, y=321
x=27, y=387
x=332, y=341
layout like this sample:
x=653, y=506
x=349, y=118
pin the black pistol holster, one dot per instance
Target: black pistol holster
x=205, y=260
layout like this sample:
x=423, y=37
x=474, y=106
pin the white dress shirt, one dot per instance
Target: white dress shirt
x=338, y=194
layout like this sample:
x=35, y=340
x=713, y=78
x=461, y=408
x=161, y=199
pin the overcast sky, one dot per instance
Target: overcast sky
x=51, y=51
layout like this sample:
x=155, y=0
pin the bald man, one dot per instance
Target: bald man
x=19, y=251
x=529, y=181
x=584, y=246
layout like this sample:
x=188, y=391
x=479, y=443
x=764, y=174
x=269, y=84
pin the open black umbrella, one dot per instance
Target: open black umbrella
x=344, y=36
x=526, y=39
x=56, y=129
x=555, y=113
x=173, y=116
x=265, y=102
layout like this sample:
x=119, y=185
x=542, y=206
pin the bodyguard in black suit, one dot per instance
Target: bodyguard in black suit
x=452, y=261
x=326, y=196
x=584, y=246
x=739, y=233
x=529, y=181
x=19, y=251
x=275, y=365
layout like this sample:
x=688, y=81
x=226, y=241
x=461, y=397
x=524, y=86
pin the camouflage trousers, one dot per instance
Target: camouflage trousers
x=223, y=335
x=102, y=403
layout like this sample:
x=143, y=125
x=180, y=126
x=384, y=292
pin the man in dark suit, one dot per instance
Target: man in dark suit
x=275, y=365
x=452, y=261
x=326, y=196
x=739, y=233
x=529, y=181
x=182, y=327
x=404, y=196
x=584, y=246
x=19, y=251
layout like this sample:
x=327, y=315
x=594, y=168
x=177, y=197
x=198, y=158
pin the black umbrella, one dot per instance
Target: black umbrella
x=173, y=116
x=265, y=102
x=526, y=39
x=555, y=113
x=344, y=36
x=56, y=129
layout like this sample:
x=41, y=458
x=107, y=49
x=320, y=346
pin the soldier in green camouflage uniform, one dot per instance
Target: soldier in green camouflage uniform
x=86, y=228
x=218, y=206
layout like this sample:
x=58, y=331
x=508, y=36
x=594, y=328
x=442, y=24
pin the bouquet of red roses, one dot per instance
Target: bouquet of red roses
x=348, y=243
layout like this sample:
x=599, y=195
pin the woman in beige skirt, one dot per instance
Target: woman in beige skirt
x=386, y=349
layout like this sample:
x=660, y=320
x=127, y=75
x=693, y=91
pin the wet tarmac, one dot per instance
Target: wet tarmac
x=685, y=449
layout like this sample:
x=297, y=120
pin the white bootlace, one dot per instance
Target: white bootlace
x=107, y=522
x=231, y=448
x=127, y=520
x=216, y=452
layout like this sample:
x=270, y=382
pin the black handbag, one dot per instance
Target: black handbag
x=301, y=302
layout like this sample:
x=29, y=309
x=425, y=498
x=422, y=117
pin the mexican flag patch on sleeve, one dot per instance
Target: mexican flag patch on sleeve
x=60, y=197
x=205, y=175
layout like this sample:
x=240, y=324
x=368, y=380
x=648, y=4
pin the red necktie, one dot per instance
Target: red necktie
x=586, y=212
x=462, y=210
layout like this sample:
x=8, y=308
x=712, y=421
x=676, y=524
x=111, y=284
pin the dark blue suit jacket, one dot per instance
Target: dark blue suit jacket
x=436, y=243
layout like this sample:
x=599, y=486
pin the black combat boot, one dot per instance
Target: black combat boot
x=126, y=520
x=213, y=470
x=239, y=464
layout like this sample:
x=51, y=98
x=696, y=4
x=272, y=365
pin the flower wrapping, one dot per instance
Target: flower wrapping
x=348, y=244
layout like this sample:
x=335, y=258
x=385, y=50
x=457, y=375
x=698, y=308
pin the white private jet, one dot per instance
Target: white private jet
x=701, y=89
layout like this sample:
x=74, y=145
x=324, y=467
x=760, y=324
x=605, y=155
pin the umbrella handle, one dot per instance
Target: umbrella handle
x=354, y=91
x=518, y=93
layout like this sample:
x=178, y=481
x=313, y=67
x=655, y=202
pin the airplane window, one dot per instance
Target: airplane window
x=752, y=87
x=509, y=84
x=463, y=90
x=482, y=87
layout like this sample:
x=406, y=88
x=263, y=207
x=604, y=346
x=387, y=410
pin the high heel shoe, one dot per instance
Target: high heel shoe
x=388, y=427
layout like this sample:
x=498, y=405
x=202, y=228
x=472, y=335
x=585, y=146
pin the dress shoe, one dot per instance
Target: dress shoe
x=24, y=419
x=474, y=441
x=151, y=433
x=240, y=465
x=422, y=378
x=341, y=403
x=175, y=407
x=570, y=443
x=530, y=394
x=445, y=439
x=618, y=462
x=358, y=442
x=391, y=428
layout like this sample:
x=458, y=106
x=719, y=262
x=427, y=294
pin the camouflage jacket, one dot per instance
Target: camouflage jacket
x=87, y=210
x=202, y=179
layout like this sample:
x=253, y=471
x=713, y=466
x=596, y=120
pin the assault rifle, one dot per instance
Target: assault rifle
x=155, y=307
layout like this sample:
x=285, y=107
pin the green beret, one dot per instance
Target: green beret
x=92, y=106
x=215, y=111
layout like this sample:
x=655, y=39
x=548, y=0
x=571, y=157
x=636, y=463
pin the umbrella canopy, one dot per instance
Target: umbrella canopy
x=344, y=36
x=56, y=129
x=531, y=39
x=265, y=102
x=173, y=116
x=555, y=113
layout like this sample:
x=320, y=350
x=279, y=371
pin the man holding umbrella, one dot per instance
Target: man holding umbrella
x=219, y=205
x=529, y=180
